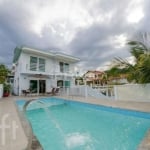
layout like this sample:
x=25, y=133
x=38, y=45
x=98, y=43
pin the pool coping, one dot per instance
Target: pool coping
x=33, y=142
x=145, y=143
x=130, y=105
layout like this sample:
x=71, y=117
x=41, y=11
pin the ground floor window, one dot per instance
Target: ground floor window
x=62, y=83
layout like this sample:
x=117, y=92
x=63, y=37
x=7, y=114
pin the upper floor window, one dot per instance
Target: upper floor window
x=37, y=64
x=64, y=67
x=42, y=64
x=33, y=63
x=61, y=66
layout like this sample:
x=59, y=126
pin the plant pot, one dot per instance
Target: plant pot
x=6, y=94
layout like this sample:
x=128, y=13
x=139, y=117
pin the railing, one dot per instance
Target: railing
x=96, y=94
x=107, y=90
x=83, y=91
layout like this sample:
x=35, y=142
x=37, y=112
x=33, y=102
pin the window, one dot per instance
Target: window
x=61, y=67
x=42, y=64
x=33, y=63
x=64, y=67
x=37, y=64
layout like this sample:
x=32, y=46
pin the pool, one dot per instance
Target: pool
x=67, y=125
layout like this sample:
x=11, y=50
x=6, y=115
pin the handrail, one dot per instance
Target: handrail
x=95, y=93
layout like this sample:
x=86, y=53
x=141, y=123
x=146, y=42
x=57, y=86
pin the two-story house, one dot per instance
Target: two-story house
x=94, y=77
x=39, y=70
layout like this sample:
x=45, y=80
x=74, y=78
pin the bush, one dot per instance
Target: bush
x=7, y=87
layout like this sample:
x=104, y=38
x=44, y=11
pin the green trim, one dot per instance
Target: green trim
x=17, y=53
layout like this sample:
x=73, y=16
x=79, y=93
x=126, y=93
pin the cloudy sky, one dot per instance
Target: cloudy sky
x=93, y=30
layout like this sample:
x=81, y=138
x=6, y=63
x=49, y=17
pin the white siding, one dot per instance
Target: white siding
x=23, y=74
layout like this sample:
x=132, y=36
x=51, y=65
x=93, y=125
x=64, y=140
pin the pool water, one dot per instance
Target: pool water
x=77, y=126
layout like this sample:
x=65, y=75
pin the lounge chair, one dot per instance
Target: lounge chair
x=52, y=92
x=26, y=92
x=56, y=91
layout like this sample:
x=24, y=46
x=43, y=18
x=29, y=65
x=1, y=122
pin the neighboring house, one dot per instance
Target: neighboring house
x=39, y=70
x=93, y=78
x=122, y=79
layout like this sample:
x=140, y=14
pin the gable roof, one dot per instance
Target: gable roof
x=94, y=72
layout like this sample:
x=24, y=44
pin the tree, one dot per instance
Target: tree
x=4, y=71
x=116, y=73
x=140, y=50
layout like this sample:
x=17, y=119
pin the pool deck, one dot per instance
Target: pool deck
x=13, y=136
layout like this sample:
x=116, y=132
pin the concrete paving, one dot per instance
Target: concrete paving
x=12, y=136
x=131, y=105
x=15, y=138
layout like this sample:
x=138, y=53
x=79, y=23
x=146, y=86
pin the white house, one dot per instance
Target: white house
x=39, y=70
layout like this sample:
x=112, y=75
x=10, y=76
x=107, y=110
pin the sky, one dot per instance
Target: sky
x=96, y=31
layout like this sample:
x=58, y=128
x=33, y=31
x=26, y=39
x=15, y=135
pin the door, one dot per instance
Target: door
x=33, y=86
x=42, y=86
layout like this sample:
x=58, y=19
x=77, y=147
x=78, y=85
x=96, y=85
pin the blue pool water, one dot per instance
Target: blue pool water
x=65, y=125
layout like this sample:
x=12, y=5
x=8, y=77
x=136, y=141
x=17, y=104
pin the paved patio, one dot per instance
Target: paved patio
x=13, y=136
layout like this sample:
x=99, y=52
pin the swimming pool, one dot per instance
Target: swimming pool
x=67, y=125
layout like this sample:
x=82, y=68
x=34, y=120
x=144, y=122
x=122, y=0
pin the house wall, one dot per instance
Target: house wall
x=51, y=66
x=1, y=90
x=16, y=77
x=90, y=75
x=25, y=63
x=23, y=73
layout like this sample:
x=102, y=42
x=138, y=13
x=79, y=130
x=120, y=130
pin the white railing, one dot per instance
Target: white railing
x=107, y=90
x=127, y=92
x=73, y=91
x=96, y=94
x=83, y=91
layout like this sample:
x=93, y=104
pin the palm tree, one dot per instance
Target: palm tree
x=140, y=50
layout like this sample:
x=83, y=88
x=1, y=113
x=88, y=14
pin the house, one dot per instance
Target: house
x=39, y=70
x=120, y=79
x=94, y=77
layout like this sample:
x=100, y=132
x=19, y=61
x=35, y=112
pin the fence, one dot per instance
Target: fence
x=83, y=91
x=132, y=92
x=127, y=92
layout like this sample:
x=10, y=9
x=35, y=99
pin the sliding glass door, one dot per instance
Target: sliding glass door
x=37, y=86
x=42, y=86
x=33, y=86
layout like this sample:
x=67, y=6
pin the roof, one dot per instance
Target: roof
x=94, y=72
x=57, y=55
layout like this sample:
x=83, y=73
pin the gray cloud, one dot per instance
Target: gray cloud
x=94, y=43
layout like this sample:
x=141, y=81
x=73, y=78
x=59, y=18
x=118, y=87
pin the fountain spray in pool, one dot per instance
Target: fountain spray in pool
x=70, y=140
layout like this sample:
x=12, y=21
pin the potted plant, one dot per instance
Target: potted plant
x=6, y=89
